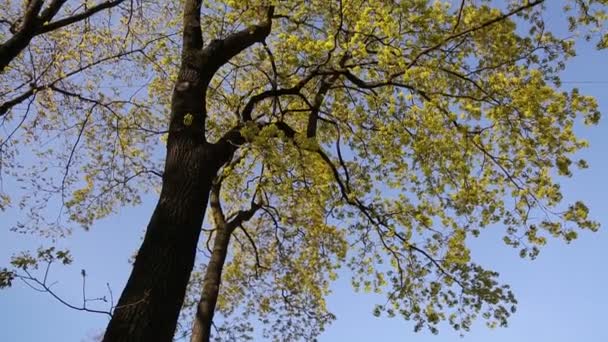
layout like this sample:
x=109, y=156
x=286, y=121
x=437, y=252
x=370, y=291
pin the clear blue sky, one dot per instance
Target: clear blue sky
x=562, y=295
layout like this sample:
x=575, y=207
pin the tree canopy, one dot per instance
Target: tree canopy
x=376, y=135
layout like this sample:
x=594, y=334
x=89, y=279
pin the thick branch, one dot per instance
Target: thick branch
x=216, y=206
x=201, y=327
x=218, y=52
x=193, y=37
x=33, y=24
x=31, y=14
x=50, y=12
x=313, y=117
x=6, y=106
x=242, y=216
x=254, y=100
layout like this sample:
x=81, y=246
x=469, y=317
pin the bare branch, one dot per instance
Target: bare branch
x=42, y=286
x=255, y=250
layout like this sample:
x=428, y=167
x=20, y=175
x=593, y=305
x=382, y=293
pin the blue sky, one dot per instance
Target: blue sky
x=562, y=294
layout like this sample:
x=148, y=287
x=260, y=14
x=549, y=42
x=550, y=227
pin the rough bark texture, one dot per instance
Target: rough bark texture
x=149, y=306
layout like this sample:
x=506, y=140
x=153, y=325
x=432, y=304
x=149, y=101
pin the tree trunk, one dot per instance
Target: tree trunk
x=201, y=327
x=149, y=306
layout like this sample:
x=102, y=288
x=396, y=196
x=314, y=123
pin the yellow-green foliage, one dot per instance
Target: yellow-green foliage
x=442, y=119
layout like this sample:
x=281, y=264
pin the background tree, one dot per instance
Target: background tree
x=375, y=134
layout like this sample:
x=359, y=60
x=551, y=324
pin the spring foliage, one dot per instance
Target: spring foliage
x=379, y=135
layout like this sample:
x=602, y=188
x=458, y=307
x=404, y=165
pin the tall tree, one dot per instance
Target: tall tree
x=382, y=135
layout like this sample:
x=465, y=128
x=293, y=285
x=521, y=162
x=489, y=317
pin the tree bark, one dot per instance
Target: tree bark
x=27, y=30
x=201, y=327
x=149, y=306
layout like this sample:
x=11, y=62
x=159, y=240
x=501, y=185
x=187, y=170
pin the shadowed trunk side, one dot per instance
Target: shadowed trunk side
x=149, y=306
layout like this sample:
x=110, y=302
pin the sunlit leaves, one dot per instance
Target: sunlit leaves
x=589, y=14
x=6, y=278
x=439, y=119
x=446, y=125
x=90, y=128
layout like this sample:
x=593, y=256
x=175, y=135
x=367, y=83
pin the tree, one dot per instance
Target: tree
x=381, y=135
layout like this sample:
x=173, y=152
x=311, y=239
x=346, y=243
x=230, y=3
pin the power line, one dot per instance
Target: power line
x=585, y=82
